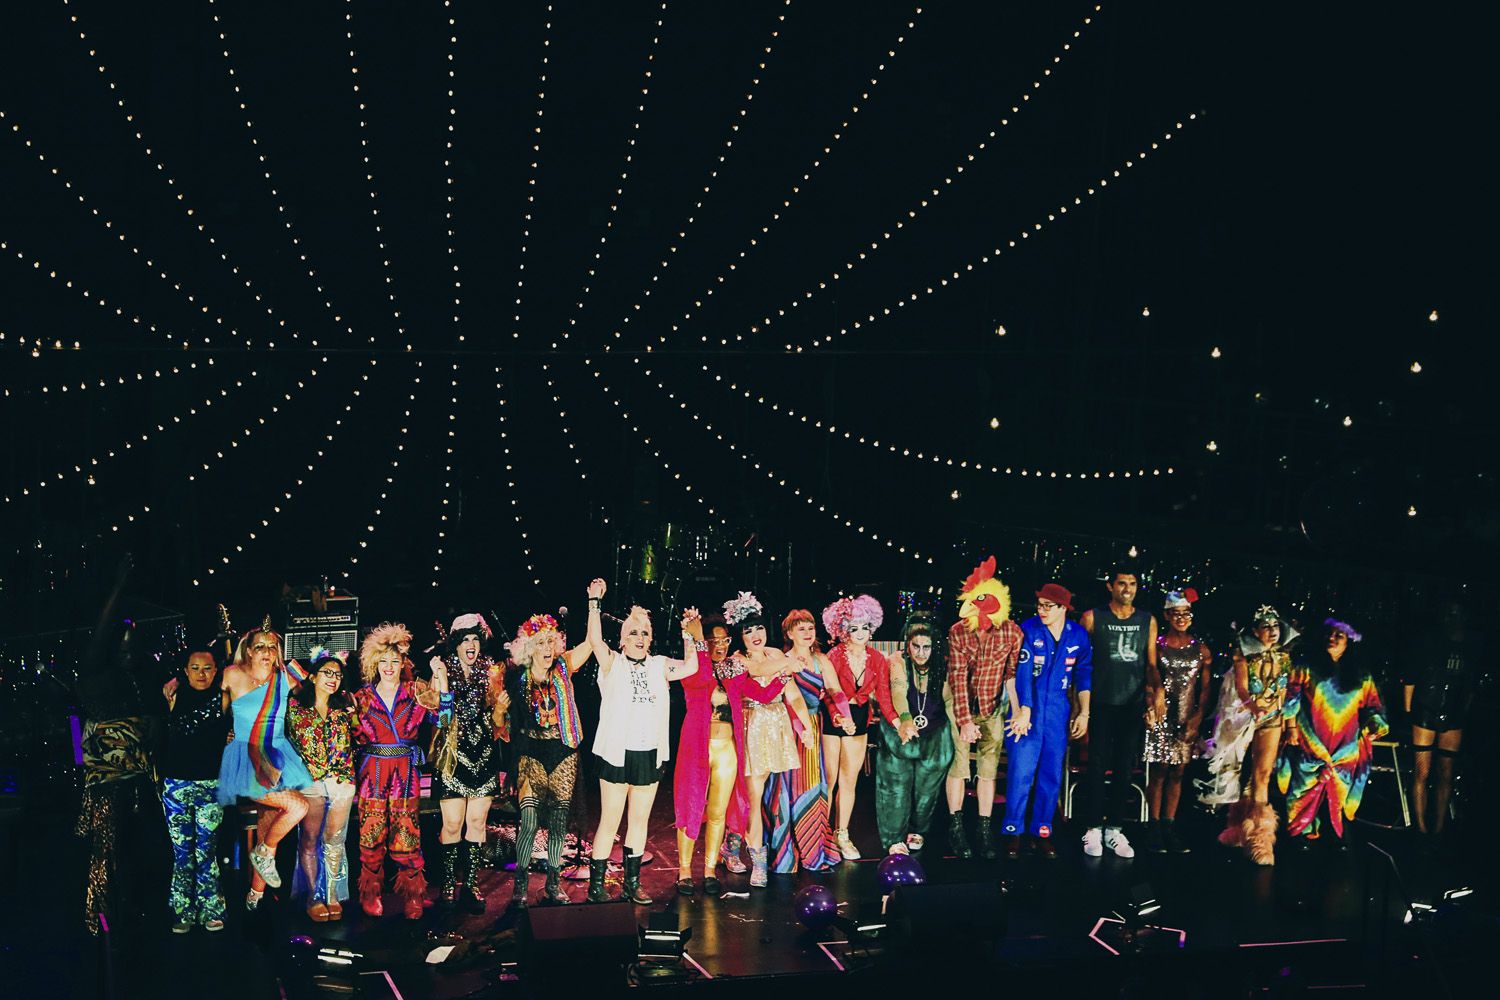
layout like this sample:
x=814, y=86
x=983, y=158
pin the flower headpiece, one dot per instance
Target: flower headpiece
x=742, y=608
x=1181, y=598
x=470, y=623
x=538, y=623
x=845, y=611
x=318, y=654
x=1343, y=627
x=1266, y=615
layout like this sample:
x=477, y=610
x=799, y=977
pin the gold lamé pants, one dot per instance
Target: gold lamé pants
x=723, y=771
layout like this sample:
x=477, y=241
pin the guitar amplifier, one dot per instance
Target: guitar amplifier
x=334, y=625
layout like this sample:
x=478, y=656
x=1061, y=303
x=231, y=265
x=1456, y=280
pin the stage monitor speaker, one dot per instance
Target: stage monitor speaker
x=598, y=936
x=928, y=919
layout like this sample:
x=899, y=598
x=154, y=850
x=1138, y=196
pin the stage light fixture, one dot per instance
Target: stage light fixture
x=663, y=938
x=1458, y=893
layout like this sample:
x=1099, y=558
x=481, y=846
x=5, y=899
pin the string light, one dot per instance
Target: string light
x=1145, y=312
x=956, y=275
x=437, y=567
x=1433, y=317
x=287, y=491
x=1213, y=446
x=786, y=198
x=195, y=217
x=1348, y=421
x=922, y=455
x=453, y=387
x=411, y=399
x=364, y=146
x=1411, y=512
x=265, y=171
x=624, y=174
x=536, y=149
x=510, y=476
x=760, y=466
x=1416, y=366
x=923, y=201
x=1215, y=353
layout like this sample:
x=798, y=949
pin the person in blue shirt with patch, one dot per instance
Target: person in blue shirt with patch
x=1055, y=657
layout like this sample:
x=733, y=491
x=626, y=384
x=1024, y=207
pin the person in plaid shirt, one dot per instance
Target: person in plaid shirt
x=982, y=650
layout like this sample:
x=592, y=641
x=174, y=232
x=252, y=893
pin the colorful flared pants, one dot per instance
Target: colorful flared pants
x=193, y=817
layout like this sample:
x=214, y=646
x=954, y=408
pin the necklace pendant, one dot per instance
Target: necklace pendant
x=920, y=719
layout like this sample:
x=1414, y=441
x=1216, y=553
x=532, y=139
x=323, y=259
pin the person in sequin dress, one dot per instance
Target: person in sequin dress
x=1185, y=666
x=770, y=742
x=466, y=766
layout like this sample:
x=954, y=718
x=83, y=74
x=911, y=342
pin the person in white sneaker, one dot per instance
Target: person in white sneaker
x=1127, y=694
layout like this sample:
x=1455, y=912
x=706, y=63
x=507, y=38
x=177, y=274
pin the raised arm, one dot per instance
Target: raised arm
x=597, y=645
x=692, y=639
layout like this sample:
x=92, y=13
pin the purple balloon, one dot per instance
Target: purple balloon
x=898, y=869
x=816, y=906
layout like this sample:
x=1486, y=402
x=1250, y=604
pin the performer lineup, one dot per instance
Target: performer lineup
x=774, y=739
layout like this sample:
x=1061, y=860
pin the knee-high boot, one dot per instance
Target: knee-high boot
x=470, y=899
x=597, y=869
x=448, y=857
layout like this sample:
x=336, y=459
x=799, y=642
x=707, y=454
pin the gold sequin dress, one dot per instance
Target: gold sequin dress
x=770, y=744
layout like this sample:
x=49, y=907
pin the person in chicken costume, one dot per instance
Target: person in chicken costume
x=983, y=647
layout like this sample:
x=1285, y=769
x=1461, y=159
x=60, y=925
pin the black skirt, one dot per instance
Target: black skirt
x=640, y=769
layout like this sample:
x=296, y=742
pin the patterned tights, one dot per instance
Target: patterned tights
x=280, y=813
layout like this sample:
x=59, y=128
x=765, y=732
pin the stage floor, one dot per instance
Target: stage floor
x=1231, y=915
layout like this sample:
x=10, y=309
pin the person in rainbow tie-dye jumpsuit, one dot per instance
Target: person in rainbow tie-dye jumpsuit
x=1334, y=713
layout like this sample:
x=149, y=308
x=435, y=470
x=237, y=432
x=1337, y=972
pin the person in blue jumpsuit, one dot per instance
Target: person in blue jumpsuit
x=1055, y=657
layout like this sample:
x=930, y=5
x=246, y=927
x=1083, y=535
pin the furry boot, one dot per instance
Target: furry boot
x=370, y=885
x=1260, y=834
x=411, y=886
x=1234, y=827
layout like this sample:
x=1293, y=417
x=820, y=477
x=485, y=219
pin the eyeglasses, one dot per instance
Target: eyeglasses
x=720, y=642
x=1046, y=605
x=331, y=674
x=1179, y=613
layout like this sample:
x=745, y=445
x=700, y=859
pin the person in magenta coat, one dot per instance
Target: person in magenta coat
x=708, y=784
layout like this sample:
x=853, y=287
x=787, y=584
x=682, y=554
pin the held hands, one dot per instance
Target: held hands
x=692, y=624
x=1079, y=727
x=596, y=589
x=806, y=736
x=846, y=724
x=907, y=731
x=439, y=674
x=1019, y=723
x=968, y=732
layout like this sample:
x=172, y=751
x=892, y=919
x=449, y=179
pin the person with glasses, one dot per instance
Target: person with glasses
x=1333, y=718
x=320, y=723
x=919, y=751
x=984, y=646
x=1185, y=665
x=855, y=676
x=1056, y=661
x=708, y=784
x=260, y=764
x=1126, y=697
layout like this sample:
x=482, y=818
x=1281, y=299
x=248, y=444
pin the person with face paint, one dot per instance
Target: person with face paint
x=321, y=724
x=856, y=676
x=466, y=769
x=261, y=764
x=797, y=802
x=391, y=708
x=909, y=775
x=1333, y=715
x=633, y=740
x=708, y=787
x=1252, y=715
x=1056, y=658
x=770, y=741
x=545, y=731
x=1126, y=696
x=189, y=768
x=983, y=647
x=1185, y=665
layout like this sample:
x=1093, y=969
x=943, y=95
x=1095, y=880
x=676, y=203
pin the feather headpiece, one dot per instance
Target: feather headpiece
x=470, y=623
x=1343, y=627
x=1181, y=598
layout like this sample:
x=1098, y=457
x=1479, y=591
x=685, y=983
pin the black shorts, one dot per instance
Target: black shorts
x=640, y=768
x=1438, y=722
x=859, y=713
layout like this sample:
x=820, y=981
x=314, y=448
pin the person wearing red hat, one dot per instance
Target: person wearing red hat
x=1056, y=657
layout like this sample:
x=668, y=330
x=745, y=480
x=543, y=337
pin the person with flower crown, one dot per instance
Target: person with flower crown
x=1333, y=717
x=1185, y=666
x=855, y=675
x=466, y=764
x=1251, y=718
x=769, y=737
x=391, y=707
x=633, y=741
x=537, y=713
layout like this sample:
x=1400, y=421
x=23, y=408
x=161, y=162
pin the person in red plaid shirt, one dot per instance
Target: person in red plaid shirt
x=982, y=651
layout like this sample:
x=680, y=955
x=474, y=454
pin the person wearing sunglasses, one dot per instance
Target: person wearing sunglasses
x=1185, y=665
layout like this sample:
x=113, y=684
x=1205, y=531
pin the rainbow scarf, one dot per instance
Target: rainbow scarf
x=263, y=730
x=567, y=706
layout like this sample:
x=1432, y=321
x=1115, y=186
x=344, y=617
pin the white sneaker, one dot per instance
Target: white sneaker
x=182, y=927
x=1093, y=842
x=914, y=841
x=898, y=848
x=1115, y=841
x=846, y=846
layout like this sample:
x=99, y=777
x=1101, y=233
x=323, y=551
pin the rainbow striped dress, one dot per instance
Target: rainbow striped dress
x=1333, y=761
x=796, y=802
x=260, y=732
